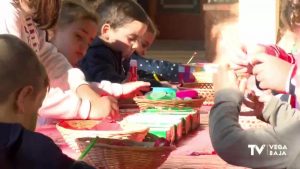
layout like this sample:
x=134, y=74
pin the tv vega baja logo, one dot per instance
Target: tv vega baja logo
x=271, y=150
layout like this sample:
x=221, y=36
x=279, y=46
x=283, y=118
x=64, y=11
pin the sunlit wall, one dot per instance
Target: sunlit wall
x=258, y=21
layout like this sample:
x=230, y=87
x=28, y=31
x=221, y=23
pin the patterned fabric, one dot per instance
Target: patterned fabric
x=278, y=52
x=31, y=32
x=167, y=71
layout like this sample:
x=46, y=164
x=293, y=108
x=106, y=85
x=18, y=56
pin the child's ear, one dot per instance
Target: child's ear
x=22, y=96
x=105, y=30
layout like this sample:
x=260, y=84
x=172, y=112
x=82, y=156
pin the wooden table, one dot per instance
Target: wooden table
x=193, y=151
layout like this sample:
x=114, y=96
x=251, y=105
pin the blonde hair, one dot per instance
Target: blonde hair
x=45, y=12
x=152, y=28
x=224, y=39
x=72, y=11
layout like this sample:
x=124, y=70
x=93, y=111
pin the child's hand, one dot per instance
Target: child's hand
x=137, y=88
x=100, y=106
x=106, y=106
x=239, y=63
x=226, y=78
x=252, y=101
x=255, y=99
x=242, y=62
x=271, y=72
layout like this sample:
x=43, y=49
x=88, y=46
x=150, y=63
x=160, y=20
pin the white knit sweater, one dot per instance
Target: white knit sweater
x=61, y=101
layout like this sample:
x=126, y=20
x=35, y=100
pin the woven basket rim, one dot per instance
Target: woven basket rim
x=190, y=85
x=142, y=98
x=135, y=148
x=138, y=129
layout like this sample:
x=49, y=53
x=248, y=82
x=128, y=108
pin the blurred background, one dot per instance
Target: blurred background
x=185, y=27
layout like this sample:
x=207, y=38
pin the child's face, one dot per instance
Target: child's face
x=125, y=39
x=145, y=42
x=73, y=40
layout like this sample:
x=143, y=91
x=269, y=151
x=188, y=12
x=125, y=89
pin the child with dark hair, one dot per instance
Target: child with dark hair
x=21, y=95
x=122, y=24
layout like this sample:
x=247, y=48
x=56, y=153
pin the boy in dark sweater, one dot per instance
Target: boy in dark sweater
x=122, y=24
x=21, y=95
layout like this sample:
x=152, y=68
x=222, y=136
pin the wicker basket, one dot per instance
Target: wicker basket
x=250, y=122
x=204, y=89
x=129, y=131
x=203, y=77
x=145, y=103
x=109, y=154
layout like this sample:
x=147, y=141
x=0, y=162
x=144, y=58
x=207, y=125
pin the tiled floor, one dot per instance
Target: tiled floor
x=177, y=51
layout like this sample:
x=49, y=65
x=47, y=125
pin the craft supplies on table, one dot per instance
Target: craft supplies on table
x=72, y=129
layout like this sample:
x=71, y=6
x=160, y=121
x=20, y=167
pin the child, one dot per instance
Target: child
x=229, y=49
x=21, y=95
x=290, y=17
x=28, y=20
x=74, y=31
x=237, y=146
x=122, y=24
x=77, y=27
x=166, y=71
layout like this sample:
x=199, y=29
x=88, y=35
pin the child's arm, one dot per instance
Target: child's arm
x=232, y=143
x=62, y=104
x=100, y=106
x=279, y=113
x=268, y=107
x=126, y=90
x=63, y=75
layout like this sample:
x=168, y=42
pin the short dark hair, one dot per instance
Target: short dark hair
x=19, y=67
x=120, y=12
x=72, y=11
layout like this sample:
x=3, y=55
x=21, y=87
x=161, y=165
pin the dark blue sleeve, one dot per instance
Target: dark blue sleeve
x=99, y=64
x=166, y=70
x=38, y=151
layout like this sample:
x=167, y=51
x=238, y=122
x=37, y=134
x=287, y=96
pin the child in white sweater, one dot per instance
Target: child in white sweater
x=28, y=20
x=75, y=29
